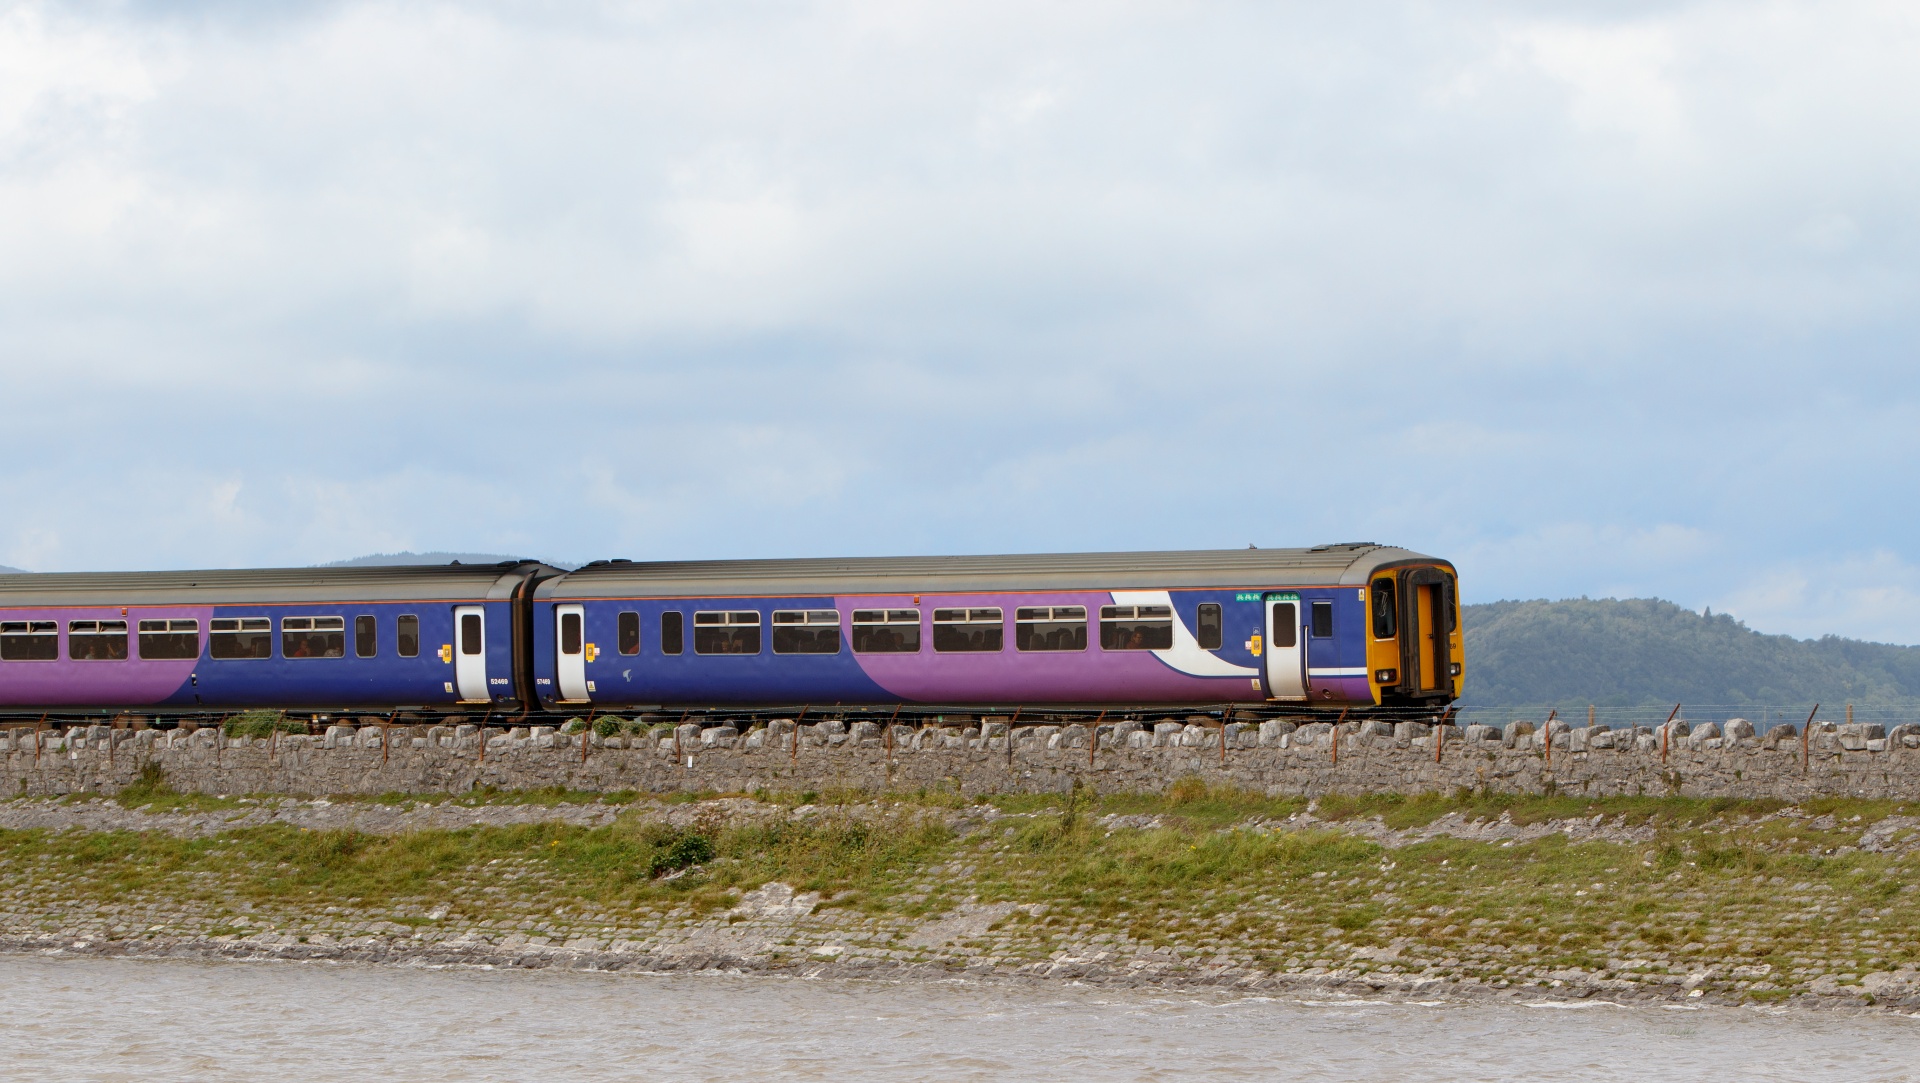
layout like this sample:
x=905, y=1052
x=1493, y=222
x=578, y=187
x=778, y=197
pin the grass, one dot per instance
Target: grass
x=1689, y=899
x=1192, y=800
x=262, y=723
x=1721, y=883
x=623, y=865
x=149, y=791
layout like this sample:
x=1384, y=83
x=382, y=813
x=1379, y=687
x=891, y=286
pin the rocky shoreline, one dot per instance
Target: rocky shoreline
x=1897, y=993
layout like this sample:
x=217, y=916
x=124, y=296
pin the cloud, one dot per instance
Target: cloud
x=1872, y=595
x=1595, y=300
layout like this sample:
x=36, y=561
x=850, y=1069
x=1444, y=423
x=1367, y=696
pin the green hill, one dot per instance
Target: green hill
x=1646, y=651
x=435, y=557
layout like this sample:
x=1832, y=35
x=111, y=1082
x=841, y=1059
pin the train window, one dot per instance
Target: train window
x=1136, y=627
x=806, y=631
x=1386, y=611
x=240, y=637
x=671, y=632
x=473, y=634
x=366, y=637
x=29, y=640
x=570, y=635
x=1286, y=625
x=629, y=633
x=97, y=640
x=726, y=632
x=1050, y=628
x=170, y=639
x=1208, y=627
x=313, y=637
x=886, y=631
x=406, y=638
x=969, y=630
x=1322, y=619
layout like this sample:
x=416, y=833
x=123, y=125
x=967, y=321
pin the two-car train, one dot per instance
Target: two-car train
x=1354, y=626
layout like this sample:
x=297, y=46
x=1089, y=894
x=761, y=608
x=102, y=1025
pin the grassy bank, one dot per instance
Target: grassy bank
x=1746, y=900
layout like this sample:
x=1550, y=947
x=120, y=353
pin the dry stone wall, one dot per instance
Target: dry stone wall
x=1276, y=757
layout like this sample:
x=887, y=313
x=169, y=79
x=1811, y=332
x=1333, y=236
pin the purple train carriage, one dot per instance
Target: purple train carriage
x=1352, y=626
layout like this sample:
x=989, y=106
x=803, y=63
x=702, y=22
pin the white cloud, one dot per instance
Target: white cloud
x=1610, y=560
x=1595, y=303
x=1872, y=596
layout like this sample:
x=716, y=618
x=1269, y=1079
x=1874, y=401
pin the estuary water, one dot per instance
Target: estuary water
x=86, y=1019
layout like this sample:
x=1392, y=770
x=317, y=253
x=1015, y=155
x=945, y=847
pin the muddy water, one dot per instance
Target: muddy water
x=79, y=1019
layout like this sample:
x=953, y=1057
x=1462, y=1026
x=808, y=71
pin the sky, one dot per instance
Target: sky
x=1591, y=299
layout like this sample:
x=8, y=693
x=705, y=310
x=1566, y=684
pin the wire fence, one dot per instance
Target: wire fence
x=1762, y=716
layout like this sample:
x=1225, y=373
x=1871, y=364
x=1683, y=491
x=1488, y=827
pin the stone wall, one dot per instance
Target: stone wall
x=1276, y=757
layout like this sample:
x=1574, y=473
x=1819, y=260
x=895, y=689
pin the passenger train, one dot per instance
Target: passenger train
x=1346, y=627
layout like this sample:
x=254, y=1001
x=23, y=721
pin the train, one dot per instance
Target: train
x=1349, y=627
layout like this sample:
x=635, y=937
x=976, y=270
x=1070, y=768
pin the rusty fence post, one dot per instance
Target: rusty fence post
x=1546, y=734
x=1336, y=735
x=1012, y=722
x=1666, y=730
x=1806, y=732
x=1093, y=738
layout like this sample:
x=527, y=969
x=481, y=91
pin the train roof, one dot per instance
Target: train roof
x=242, y=586
x=1323, y=565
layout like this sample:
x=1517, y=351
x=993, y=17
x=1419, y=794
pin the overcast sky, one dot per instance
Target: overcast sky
x=1603, y=299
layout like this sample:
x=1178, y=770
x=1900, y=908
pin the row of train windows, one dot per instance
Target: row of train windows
x=227, y=637
x=897, y=631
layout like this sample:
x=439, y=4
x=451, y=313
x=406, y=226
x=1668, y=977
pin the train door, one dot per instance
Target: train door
x=570, y=633
x=1426, y=631
x=1286, y=661
x=470, y=653
x=1426, y=595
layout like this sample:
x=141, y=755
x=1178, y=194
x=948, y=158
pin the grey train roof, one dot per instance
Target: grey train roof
x=1324, y=565
x=241, y=586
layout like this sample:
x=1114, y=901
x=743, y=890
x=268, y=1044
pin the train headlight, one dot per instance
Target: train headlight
x=1453, y=670
x=1386, y=676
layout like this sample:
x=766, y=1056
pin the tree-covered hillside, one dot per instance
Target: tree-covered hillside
x=1644, y=651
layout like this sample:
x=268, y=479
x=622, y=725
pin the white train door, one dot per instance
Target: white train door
x=470, y=653
x=1286, y=658
x=570, y=633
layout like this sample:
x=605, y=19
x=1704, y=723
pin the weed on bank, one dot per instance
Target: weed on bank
x=1772, y=895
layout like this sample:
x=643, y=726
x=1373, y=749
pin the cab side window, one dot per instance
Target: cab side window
x=1386, y=609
